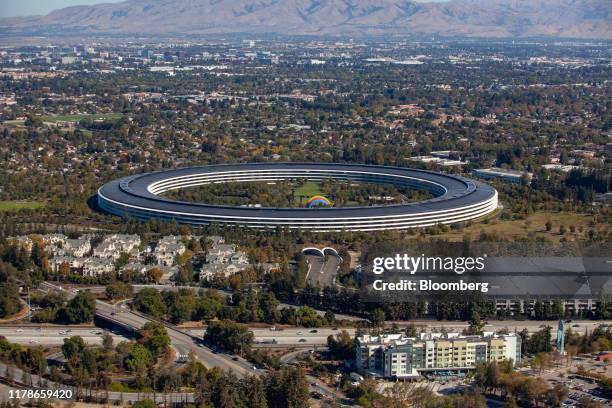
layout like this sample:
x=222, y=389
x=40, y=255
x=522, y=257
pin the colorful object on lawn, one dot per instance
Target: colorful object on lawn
x=318, y=200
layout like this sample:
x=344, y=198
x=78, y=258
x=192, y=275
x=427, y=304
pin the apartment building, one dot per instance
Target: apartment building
x=395, y=355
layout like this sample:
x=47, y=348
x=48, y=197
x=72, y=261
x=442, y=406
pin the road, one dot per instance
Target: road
x=223, y=293
x=178, y=338
x=322, y=270
x=289, y=336
x=54, y=336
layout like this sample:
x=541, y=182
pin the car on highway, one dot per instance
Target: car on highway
x=302, y=340
x=19, y=330
x=314, y=331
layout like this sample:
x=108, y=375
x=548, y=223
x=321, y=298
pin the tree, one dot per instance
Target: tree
x=603, y=306
x=255, y=392
x=9, y=298
x=411, y=330
x=287, y=388
x=150, y=301
x=107, y=341
x=139, y=359
x=81, y=308
x=556, y=395
x=476, y=325
x=377, y=317
x=36, y=359
x=155, y=338
x=342, y=347
x=73, y=347
x=123, y=259
x=154, y=275
x=229, y=336
x=208, y=305
x=119, y=290
x=181, y=307
x=488, y=375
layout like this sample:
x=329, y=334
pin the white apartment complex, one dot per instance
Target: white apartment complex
x=395, y=355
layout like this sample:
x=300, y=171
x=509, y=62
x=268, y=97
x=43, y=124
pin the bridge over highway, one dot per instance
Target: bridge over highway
x=179, y=338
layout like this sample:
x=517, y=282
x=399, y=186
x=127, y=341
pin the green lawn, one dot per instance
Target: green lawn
x=14, y=122
x=76, y=118
x=20, y=205
x=309, y=189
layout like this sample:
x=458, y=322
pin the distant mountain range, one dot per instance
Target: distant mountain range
x=471, y=18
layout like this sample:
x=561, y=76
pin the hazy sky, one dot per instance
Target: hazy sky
x=12, y=8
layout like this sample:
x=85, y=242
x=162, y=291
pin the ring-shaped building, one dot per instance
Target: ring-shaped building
x=456, y=200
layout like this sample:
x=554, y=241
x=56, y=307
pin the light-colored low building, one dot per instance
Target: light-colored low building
x=167, y=249
x=495, y=173
x=76, y=247
x=54, y=239
x=210, y=271
x=113, y=245
x=22, y=241
x=74, y=264
x=220, y=253
x=564, y=168
x=96, y=267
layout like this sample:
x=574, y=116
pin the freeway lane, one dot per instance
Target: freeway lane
x=288, y=337
x=178, y=338
x=54, y=336
x=223, y=293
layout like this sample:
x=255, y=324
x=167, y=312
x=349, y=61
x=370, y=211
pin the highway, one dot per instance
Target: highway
x=289, y=337
x=178, y=338
x=222, y=293
x=54, y=336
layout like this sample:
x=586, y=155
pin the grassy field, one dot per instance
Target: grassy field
x=309, y=189
x=20, y=205
x=76, y=118
x=16, y=123
x=535, y=224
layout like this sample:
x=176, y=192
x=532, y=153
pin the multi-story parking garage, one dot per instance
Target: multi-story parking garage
x=457, y=199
